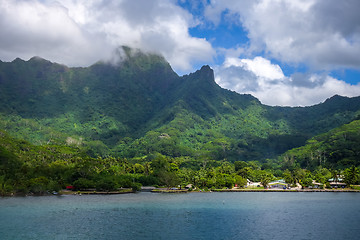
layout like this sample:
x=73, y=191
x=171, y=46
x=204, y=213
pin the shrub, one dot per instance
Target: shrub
x=83, y=183
x=106, y=184
x=38, y=185
x=136, y=187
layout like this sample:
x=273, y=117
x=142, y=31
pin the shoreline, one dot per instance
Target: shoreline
x=79, y=193
x=289, y=190
x=93, y=192
x=67, y=192
x=257, y=190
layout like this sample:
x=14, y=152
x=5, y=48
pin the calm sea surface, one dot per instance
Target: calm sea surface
x=183, y=216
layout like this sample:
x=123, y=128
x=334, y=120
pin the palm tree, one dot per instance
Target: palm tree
x=335, y=175
x=351, y=175
x=265, y=178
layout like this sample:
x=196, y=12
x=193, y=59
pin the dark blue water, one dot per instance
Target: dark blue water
x=183, y=216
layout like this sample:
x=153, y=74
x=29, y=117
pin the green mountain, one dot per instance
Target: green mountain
x=141, y=106
x=338, y=148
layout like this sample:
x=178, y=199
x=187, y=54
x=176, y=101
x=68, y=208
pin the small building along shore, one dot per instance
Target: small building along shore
x=279, y=184
x=250, y=184
x=337, y=182
x=316, y=185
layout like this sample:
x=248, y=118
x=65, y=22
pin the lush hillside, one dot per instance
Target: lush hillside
x=99, y=102
x=338, y=148
x=25, y=167
x=29, y=169
x=140, y=106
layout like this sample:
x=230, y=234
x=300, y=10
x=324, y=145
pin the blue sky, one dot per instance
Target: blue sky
x=229, y=32
x=284, y=52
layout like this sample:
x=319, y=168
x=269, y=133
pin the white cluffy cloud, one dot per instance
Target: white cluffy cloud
x=260, y=66
x=29, y=28
x=81, y=32
x=266, y=81
x=323, y=34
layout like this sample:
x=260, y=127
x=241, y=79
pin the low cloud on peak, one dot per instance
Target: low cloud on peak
x=79, y=33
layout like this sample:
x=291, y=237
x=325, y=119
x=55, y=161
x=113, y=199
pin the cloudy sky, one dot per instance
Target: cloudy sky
x=284, y=52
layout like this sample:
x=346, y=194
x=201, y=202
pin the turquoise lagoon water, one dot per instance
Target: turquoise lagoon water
x=183, y=216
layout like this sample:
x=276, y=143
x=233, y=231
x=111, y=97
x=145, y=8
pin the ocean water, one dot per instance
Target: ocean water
x=243, y=215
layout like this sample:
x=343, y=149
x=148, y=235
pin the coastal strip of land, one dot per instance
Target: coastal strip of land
x=287, y=190
x=256, y=190
x=163, y=190
x=122, y=191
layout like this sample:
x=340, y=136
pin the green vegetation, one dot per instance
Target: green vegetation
x=137, y=123
x=338, y=148
x=26, y=168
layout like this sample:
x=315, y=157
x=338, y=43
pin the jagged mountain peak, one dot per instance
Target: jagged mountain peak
x=203, y=78
x=206, y=73
x=38, y=59
x=18, y=60
x=335, y=98
x=136, y=58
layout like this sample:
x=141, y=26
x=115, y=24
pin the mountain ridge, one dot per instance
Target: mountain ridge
x=125, y=107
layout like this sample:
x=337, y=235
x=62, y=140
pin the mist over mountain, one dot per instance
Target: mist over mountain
x=139, y=105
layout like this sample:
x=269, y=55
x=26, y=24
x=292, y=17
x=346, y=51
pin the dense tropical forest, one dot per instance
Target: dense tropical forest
x=136, y=122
